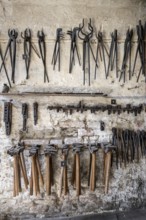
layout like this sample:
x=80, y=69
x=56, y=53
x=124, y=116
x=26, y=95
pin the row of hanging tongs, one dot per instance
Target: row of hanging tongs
x=28, y=45
x=109, y=56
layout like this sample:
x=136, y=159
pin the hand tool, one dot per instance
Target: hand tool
x=42, y=48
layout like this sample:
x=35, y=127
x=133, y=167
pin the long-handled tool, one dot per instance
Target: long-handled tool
x=11, y=47
x=42, y=48
x=100, y=51
x=27, y=48
x=107, y=150
x=113, y=54
x=49, y=151
x=57, y=49
x=19, y=168
x=141, y=50
x=93, y=148
x=87, y=49
x=73, y=48
x=63, y=177
x=126, y=56
x=6, y=72
x=36, y=179
x=76, y=174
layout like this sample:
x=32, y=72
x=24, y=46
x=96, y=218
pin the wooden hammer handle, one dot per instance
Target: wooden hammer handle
x=24, y=167
x=16, y=175
x=78, y=175
x=39, y=172
x=48, y=174
x=31, y=183
x=61, y=181
x=23, y=173
x=93, y=177
x=73, y=179
x=65, y=185
x=107, y=170
x=34, y=176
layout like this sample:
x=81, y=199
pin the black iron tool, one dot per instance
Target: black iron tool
x=113, y=54
x=6, y=72
x=141, y=50
x=127, y=56
x=56, y=53
x=42, y=48
x=87, y=49
x=11, y=46
x=8, y=117
x=101, y=50
x=73, y=48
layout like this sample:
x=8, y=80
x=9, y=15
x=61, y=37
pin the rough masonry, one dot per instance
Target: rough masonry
x=127, y=185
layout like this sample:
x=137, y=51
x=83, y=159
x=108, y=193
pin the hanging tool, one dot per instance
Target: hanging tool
x=86, y=49
x=35, y=112
x=42, y=48
x=49, y=151
x=76, y=174
x=11, y=46
x=5, y=88
x=127, y=55
x=93, y=148
x=6, y=72
x=63, y=177
x=101, y=50
x=25, y=115
x=27, y=50
x=113, y=54
x=141, y=50
x=8, y=117
x=36, y=179
x=56, y=53
x=111, y=109
x=107, y=164
x=73, y=48
x=27, y=47
x=19, y=168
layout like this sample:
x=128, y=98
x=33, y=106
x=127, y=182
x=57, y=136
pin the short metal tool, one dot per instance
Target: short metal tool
x=8, y=117
x=35, y=112
x=25, y=115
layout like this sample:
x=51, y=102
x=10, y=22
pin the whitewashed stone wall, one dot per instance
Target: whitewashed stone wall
x=127, y=186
